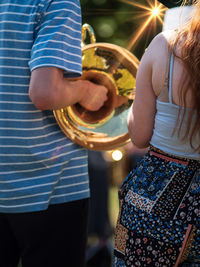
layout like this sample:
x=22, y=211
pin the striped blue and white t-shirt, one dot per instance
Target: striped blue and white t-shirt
x=39, y=165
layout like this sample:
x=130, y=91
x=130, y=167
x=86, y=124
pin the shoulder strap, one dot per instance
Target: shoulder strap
x=164, y=94
x=171, y=67
x=167, y=67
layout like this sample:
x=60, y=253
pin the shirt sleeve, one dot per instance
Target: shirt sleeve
x=58, y=39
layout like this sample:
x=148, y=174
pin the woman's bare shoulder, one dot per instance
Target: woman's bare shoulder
x=161, y=41
x=165, y=36
x=158, y=47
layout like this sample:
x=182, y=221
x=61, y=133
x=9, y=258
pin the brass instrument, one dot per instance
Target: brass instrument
x=114, y=67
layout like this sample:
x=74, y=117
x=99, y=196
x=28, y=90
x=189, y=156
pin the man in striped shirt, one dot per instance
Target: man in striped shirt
x=44, y=186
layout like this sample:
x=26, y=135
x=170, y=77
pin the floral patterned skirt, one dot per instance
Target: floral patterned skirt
x=159, y=219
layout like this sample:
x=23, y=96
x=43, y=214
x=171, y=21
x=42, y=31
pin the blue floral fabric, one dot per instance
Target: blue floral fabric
x=159, y=218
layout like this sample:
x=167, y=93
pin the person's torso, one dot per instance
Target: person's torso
x=169, y=116
x=38, y=164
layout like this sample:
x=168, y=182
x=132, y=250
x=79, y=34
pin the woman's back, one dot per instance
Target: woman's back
x=150, y=119
x=160, y=67
x=166, y=86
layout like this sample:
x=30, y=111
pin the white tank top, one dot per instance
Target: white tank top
x=163, y=136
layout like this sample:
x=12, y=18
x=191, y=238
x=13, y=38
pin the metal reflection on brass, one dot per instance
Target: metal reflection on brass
x=115, y=68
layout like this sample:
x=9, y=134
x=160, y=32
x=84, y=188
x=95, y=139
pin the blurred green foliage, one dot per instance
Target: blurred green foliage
x=117, y=22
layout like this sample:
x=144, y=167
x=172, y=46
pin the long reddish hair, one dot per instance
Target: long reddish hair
x=188, y=37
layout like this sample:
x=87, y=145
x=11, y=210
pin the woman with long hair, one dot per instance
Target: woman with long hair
x=159, y=218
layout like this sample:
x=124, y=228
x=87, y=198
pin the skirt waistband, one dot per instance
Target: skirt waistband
x=181, y=160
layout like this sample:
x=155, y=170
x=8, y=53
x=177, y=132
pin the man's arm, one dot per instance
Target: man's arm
x=50, y=90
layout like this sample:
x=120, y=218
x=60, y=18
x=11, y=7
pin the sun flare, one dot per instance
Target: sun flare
x=155, y=11
x=151, y=12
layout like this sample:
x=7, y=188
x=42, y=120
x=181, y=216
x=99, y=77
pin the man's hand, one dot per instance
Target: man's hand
x=94, y=97
x=50, y=90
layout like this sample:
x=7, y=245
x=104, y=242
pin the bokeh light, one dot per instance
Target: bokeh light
x=117, y=155
x=105, y=30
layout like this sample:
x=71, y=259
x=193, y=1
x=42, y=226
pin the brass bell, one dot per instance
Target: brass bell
x=114, y=67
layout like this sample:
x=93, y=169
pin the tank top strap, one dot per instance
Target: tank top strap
x=167, y=68
x=164, y=94
x=171, y=68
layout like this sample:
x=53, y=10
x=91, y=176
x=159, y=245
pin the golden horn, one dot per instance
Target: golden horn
x=112, y=66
